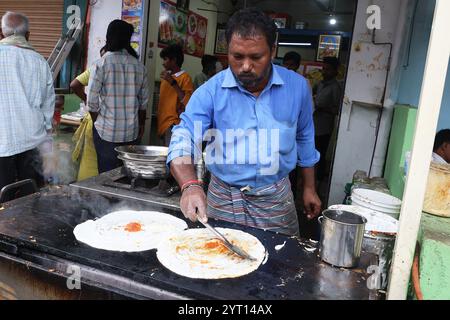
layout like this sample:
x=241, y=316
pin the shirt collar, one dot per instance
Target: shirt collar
x=229, y=80
x=179, y=73
x=438, y=159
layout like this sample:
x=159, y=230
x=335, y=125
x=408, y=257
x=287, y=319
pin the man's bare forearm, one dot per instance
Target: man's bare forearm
x=308, y=177
x=183, y=170
x=78, y=89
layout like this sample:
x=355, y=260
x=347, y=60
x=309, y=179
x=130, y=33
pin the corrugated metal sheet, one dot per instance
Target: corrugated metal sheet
x=45, y=21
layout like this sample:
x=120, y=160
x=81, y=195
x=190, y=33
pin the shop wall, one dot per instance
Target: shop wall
x=192, y=65
x=411, y=79
x=363, y=94
x=102, y=13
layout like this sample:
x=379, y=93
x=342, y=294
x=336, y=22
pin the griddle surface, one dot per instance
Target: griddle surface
x=45, y=222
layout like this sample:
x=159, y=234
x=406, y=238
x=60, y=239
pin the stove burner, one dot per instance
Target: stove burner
x=153, y=187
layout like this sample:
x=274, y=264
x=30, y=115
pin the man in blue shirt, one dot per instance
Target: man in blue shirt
x=257, y=119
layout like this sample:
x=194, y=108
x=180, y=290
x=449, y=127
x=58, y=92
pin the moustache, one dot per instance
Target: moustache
x=247, y=76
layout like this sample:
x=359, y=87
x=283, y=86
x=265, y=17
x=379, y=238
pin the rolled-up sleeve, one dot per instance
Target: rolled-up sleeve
x=307, y=155
x=187, y=137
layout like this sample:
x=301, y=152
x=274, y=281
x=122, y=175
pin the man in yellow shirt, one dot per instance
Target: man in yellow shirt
x=175, y=91
x=79, y=83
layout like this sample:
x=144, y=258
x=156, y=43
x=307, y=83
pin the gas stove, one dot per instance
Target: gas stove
x=155, y=187
x=117, y=183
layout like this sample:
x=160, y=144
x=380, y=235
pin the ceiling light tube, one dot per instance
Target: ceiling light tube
x=299, y=44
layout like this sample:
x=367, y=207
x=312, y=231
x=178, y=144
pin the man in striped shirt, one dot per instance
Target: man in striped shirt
x=27, y=102
x=117, y=96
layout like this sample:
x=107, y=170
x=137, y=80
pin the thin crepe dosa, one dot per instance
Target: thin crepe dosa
x=110, y=231
x=196, y=253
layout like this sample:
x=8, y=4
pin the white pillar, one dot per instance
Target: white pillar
x=428, y=115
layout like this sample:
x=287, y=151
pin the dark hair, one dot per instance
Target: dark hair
x=441, y=137
x=118, y=37
x=209, y=62
x=251, y=22
x=332, y=61
x=294, y=56
x=174, y=51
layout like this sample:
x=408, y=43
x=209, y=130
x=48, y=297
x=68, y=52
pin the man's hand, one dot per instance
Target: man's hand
x=193, y=203
x=167, y=75
x=312, y=203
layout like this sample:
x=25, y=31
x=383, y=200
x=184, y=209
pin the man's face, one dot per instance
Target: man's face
x=169, y=64
x=446, y=151
x=291, y=65
x=328, y=72
x=250, y=59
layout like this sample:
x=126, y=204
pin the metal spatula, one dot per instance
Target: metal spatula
x=227, y=243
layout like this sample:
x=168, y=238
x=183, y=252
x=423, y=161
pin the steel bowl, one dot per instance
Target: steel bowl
x=143, y=153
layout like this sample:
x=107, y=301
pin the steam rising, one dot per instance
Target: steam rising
x=57, y=166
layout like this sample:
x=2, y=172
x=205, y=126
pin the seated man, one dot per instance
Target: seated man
x=441, y=149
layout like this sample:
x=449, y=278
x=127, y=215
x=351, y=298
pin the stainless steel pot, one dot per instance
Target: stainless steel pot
x=149, y=162
x=145, y=169
x=143, y=153
x=341, y=238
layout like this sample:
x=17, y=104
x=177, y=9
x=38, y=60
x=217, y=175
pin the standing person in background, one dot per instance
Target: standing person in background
x=327, y=99
x=117, y=96
x=441, y=148
x=27, y=102
x=210, y=66
x=175, y=91
x=292, y=61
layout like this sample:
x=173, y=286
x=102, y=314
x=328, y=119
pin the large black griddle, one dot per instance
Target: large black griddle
x=39, y=229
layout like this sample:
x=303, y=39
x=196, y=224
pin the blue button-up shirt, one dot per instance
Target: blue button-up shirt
x=253, y=141
x=27, y=100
